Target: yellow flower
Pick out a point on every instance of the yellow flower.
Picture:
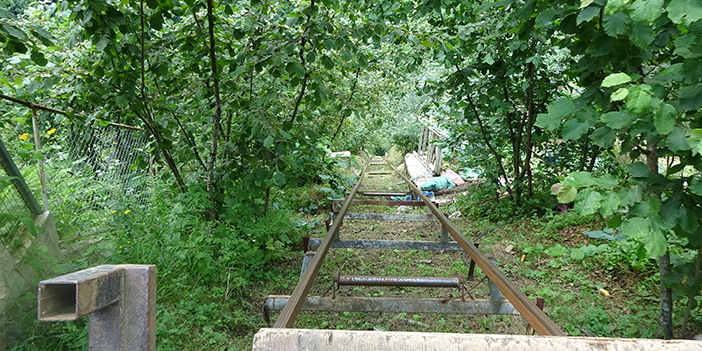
(115, 211)
(24, 136)
(127, 211)
(120, 246)
(51, 131)
(128, 242)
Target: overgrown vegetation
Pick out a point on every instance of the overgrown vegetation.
(592, 103)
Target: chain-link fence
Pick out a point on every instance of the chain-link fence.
(93, 172)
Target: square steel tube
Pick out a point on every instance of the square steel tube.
(119, 299)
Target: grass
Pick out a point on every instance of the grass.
(536, 253)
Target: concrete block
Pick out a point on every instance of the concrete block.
(270, 339)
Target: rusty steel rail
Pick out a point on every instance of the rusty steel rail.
(527, 308)
(120, 301)
(392, 305)
(369, 280)
(297, 299)
(414, 203)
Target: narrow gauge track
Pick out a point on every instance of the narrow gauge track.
(293, 304)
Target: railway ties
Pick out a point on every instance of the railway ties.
(516, 303)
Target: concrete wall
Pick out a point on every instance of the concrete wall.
(349, 340)
(16, 276)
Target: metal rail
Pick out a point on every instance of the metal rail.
(120, 300)
(390, 245)
(422, 282)
(297, 299)
(528, 309)
(394, 305)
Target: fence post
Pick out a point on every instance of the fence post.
(18, 181)
(40, 162)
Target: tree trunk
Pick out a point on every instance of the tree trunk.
(691, 302)
(217, 115)
(665, 305)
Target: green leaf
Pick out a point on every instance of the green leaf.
(616, 24)
(641, 34)
(581, 179)
(152, 4)
(646, 10)
(587, 202)
(587, 14)
(696, 185)
(268, 142)
(29, 224)
(606, 181)
(38, 58)
(684, 11)
(616, 119)
(619, 95)
(610, 203)
(101, 44)
(677, 140)
(691, 98)
(613, 6)
(687, 220)
(561, 107)
(615, 79)
(636, 227)
(16, 33)
(556, 251)
(629, 197)
(639, 170)
(547, 121)
(603, 137)
(7, 14)
(665, 119)
(574, 129)
(279, 179)
(156, 22)
(577, 254)
(585, 3)
(655, 243)
(567, 194)
(639, 100)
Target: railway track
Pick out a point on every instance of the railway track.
(516, 302)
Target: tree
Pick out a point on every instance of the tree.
(639, 69)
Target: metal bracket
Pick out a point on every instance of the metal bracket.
(120, 301)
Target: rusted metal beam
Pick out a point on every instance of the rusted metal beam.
(390, 245)
(390, 217)
(379, 173)
(422, 282)
(289, 314)
(393, 305)
(414, 203)
(120, 301)
(384, 193)
(533, 315)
